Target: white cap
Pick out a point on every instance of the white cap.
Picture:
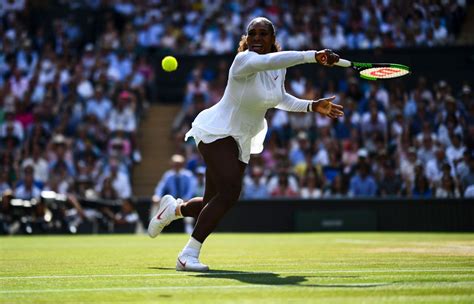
(362, 153)
(177, 158)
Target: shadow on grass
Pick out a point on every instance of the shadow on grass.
(270, 278)
(265, 278)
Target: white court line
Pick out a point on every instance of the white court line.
(231, 273)
(259, 286)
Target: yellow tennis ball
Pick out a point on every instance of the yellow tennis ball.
(169, 63)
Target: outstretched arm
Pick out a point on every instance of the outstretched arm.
(323, 106)
(248, 62)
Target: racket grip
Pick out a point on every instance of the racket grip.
(343, 63)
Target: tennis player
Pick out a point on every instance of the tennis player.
(227, 133)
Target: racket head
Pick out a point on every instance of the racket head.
(376, 71)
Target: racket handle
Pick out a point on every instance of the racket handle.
(343, 63)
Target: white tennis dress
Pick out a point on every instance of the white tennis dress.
(255, 84)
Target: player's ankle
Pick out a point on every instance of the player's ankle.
(177, 211)
(192, 248)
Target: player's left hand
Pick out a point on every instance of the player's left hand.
(327, 57)
(326, 107)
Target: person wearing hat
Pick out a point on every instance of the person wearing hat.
(177, 182)
(121, 116)
(61, 154)
(298, 150)
(228, 132)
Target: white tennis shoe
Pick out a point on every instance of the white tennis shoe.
(165, 215)
(190, 263)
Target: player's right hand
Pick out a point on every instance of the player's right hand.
(326, 57)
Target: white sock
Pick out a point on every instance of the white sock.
(193, 247)
(177, 211)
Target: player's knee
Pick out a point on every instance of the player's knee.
(230, 190)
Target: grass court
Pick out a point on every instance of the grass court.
(246, 268)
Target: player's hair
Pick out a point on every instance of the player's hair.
(243, 40)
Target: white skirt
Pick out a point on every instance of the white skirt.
(247, 144)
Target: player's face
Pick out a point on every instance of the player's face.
(260, 38)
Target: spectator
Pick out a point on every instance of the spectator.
(100, 105)
(122, 117)
(120, 180)
(312, 186)
(363, 184)
(255, 184)
(468, 179)
(427, 150)
(299, 149)
(421, 188)
(200, 181)
(282, 172)
(196, 86)
(27, 188)
(4, 184)
(126, 217)
(462, 165)
(337, 188)
(61, 154)
(407, 167)
(434, 167)
(282, 189)
(391, 183)
(39, 164)
(108, 191)
(455, 152)
(447, 188)
(178, 181)
(11, 127)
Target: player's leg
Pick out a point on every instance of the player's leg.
(194, 206)
(170, 209)
(226, 171)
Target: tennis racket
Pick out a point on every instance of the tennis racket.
(374, 71)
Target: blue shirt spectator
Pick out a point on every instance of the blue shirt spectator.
(363, 184)
(99, 106)
(255, 186)
(27, 188)
(178, 182)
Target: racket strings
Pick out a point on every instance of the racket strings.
(384, 72)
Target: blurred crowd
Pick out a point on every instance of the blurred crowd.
(216, 26)
(392, 141)
(76, 78)
(69, 113)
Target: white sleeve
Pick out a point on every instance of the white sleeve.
(247, 62)
(291, 103)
